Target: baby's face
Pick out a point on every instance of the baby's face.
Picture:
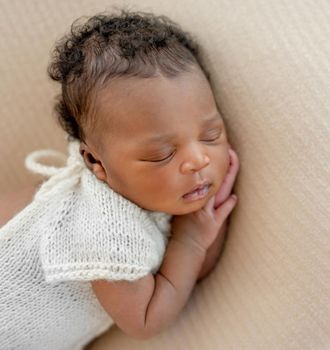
(162, 138)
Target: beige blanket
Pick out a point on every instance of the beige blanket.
(270, 66)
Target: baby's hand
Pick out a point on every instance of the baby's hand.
(215, 249)
(201, 228)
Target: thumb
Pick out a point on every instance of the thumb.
(223, 211)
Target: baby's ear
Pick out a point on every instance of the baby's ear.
(92, 162)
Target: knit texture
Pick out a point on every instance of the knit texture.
(76, 229)
(269, 64)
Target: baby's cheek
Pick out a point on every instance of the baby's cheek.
(168, 183)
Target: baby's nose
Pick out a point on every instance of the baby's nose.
(195, 163)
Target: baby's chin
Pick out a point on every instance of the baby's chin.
(183, 208)
(179, 208)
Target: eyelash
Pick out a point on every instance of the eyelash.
(162, 160)
(172, 154)
(211, 140)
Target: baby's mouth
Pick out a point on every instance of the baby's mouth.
(199, 192)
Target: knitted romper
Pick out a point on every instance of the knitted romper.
(76, 229)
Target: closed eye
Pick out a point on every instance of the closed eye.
(212, 136)
(163, 159)
(159, 160)
(210, 140)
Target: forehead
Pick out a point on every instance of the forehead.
(135, 108)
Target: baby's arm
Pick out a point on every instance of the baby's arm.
(145, 307)
(213, 253)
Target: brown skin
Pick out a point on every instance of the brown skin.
(118, 153)
(132, 112)
(155, 175)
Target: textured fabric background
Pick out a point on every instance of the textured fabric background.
(270, 66)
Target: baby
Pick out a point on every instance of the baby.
(138, 215)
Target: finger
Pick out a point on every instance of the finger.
(234, 160)
(227, 185)
(222, 212)
(209, 206)
(228, 182)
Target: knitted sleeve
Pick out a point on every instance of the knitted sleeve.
(94, 233)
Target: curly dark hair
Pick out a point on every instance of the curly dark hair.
(105, 46)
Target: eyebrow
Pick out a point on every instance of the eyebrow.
(168, 137)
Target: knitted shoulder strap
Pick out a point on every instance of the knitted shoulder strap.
(60, 178)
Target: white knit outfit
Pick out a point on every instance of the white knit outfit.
(76, 229)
